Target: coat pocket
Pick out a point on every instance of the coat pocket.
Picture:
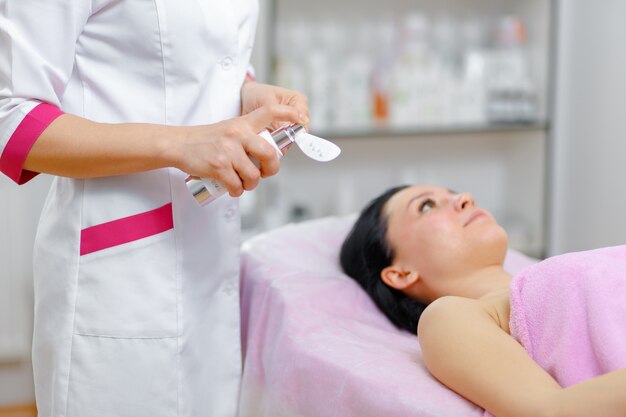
(127, 283)
(113, 377)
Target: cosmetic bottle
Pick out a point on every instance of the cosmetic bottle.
(207, 190)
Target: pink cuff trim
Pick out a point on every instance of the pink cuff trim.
(23, 139)
(127, 229)
(250, 76)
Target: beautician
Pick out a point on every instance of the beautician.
(136, 284)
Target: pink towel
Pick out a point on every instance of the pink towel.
(569, 313)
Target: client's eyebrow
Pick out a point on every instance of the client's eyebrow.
(424, 194)
(417, 197)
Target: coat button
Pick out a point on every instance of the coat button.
(230, 213)
(227, 63)
(230, 288)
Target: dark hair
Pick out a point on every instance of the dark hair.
(365, 253)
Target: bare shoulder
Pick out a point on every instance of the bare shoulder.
(448, 316)
(447, 322)
(449, 310)
(447, 328)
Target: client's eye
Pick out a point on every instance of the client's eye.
(426, 205)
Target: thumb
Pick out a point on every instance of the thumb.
(265, 116)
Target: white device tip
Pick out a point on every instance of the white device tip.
(317, 148)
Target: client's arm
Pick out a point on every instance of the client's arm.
(466, 350)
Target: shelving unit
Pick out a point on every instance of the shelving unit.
(432, 130)
(502, 162)
(408, 64)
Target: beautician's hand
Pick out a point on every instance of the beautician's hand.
(255, 95)
(223, 150)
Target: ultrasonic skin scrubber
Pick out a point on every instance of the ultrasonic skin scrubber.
(206, 190)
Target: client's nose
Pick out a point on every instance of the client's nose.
(463, 201)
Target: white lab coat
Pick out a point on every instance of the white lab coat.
(136, 285)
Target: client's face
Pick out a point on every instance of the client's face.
(442, 236)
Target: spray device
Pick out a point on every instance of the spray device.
(206, 190)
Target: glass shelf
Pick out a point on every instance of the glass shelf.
(429, 130)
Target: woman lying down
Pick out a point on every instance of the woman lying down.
(550, 341)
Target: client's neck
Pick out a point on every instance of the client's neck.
(482, 282)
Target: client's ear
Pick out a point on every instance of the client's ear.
(399, 278)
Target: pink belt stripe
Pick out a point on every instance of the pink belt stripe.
(128, 229)
(23, 139)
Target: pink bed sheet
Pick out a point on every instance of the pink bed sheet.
(316, 345)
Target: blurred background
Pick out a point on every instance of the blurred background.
(518, 101)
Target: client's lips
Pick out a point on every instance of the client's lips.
(475, 215)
